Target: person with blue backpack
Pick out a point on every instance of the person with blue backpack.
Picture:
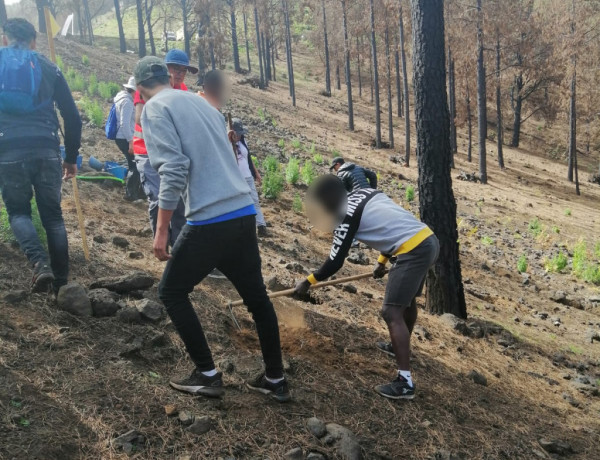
(30, 160)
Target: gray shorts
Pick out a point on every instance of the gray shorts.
(407, 275)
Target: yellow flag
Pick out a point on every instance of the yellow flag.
(54, 27)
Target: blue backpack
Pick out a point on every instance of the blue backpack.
(20, 80)
(111, 128)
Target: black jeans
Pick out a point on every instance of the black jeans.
(22, 173)
(133, 185)
(231, 247)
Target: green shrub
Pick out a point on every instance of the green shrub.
(487, 241)
(557, 264)
(85, 60)
(262, 114)
(296, 143)
(292, 171)
(75, 80)
(308, 172)
(92, 87)
(597, 250)
(555, 229)
(281, 144)
(318, 159)
(522, 264)
(410, 193)
(273, 181)
(584, 268)
(94, 112)
(297, 204)
(312, 149)
(567, 212)
(535, 227)
(60, 64)
(108, 90)
(6, 234)
(254, 160)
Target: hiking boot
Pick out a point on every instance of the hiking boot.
(217, 275)
(279, 391)
(396, 389)
(386, 347)
(261, 230)
(42, 278)
(200, 384)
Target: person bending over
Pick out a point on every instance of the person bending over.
(373, 218)
(353, 176)
(191, 154)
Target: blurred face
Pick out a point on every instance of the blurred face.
(237, 137)
(177, 73)
(337, 166)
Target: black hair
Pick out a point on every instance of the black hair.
(19, 30)
(213, 81)
(329, 191)
(153, 82)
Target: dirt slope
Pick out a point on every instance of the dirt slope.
(69, 386)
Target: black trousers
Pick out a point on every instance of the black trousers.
(232, 248)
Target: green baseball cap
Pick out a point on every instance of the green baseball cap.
(149, 67)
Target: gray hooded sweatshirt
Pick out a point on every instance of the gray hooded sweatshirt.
(187, 144)
(125, 115)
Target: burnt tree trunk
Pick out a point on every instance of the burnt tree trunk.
(259, 49)
(406, 96)
(500, 128)
(452, 104)
(148, 10)
(327, 64)
(517, 103)
(338, 81)
(273, 47)
(398, 82)
(388, 59)
(88, 22)
(358, 48)
(186, 33)
(234, 40)
(573, 131)
(347, 68)
(247, 42)
(481, 99)
(141, 31)
(375, 78)
(40, 4)
(437, 206)
(122, 42)
(286, 14)
(469, 124)
(266, 58)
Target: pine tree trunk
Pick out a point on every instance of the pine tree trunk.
(500, 129)
(40, 4)
(437, 205)
(452, 105)
(338, 81)
(213, 60)
(141, 31)
(122, 42)
(327, 64)
(247, 42)
(398, 84)
(273, 47)
(517, 108)
(259, 49)
(286, 14)
(88, 22)
(234, 40)
(469, 127)
(375, 79)
(347, 68)
(406, 96)
(358, 48)
(186, 34)
(481, 99)
(572, 129)
(266, 59)
(149, 27)
(389, 88)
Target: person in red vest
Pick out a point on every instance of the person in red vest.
(178, 64)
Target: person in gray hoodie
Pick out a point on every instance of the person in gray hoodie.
(191, 154)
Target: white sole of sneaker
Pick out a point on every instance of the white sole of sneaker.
(199, 390)
(395, 398)
(269, 393)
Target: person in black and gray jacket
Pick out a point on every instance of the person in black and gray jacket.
(30, 159)
(373, 218)
(354, 177)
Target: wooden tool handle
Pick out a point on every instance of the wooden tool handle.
(287, 292)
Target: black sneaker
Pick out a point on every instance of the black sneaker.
(279, 391)
(217, 275)
(261, 230)
(200, 384)
(386, 347)
(42, 278)
(396, 389)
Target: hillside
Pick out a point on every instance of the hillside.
(70, 386)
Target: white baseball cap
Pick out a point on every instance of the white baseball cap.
(130, 84)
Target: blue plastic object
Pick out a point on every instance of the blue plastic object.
(96, 164)
(64, 155)
(115, 169)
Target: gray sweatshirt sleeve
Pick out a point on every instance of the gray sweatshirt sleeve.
(127, 119)
(166, 156)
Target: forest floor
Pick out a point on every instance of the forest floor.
(69, 386)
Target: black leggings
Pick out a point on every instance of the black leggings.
(123, 145)
(232, 248)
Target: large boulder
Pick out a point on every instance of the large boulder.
(74, 299)
(150, 309)
(124, 284)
